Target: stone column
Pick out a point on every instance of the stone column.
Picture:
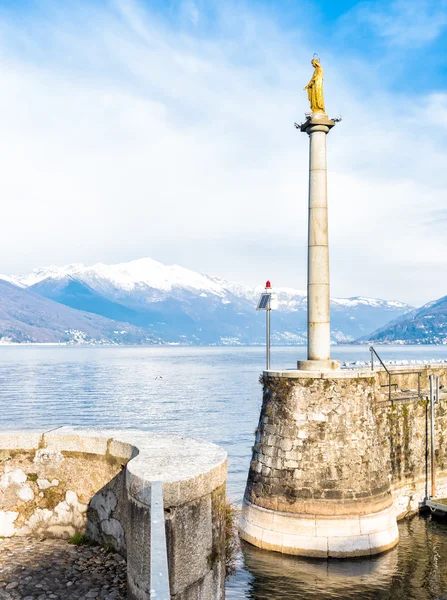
(318, 296)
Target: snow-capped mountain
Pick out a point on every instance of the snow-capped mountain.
(27, 317)
(180, 305)
(425, 325)
(126, 277)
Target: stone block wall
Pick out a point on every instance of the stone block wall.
(72, 481)
(404, 433)
(409, 379)
(317, 443)
(335, 462)
(47, 492)
(317, 484)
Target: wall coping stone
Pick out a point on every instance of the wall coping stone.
(351, 372)
(398, 368)
(341, 374)
(188, 468)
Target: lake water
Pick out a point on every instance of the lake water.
(214, 394)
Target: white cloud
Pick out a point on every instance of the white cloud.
(127, 138)
(191, 11)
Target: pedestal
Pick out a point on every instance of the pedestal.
(318, 365)
(318, 483)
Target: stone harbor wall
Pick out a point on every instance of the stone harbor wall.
(404, 433)
(98, 484)
(335, 462)
(409, 379)
(52, 492)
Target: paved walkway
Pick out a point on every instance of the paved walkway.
(33, 569)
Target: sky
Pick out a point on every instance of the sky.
(134, 128)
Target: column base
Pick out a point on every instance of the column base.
(318, 365)
(317, 536)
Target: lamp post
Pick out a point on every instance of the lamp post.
(267, 327)
(267, 302)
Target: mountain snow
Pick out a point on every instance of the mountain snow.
(124, 276)
(360, 300)
(138, 275)
(425, 325)
(176, 305)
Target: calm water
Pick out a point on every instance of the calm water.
(214, 394)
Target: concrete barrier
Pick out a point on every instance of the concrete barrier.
(98, 483)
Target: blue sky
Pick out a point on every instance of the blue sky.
(133, 128)
(405, 41)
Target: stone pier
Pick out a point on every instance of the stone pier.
(317, 484)
(336, 463)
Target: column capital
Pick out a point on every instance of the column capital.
(317, 122)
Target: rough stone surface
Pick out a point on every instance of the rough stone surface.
(197, 529)
(403, 428)
(35, 569)
(328, 428)
(333, 446)
(139, 552)
(51, 492)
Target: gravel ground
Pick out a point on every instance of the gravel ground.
(33, 569)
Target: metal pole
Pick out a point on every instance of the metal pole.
(159, 556)
(372, 358)
(267, 316)
(432, 436)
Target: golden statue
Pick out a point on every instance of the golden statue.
(315, 88)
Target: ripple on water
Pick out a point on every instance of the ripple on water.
(214, 394)
(415, 569)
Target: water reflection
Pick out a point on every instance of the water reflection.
(415, 569)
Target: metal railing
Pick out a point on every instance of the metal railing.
(392, 374)
(434, 399)
(159, 554)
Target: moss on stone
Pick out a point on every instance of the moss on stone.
(225, 541)
(326, 384)
(231, 515)
(78, 539)
(308, 382)
(25, 511)
(212, 558)
(52, 496)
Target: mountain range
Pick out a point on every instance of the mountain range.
(145, 301)
(27, 317)
(425, 325)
